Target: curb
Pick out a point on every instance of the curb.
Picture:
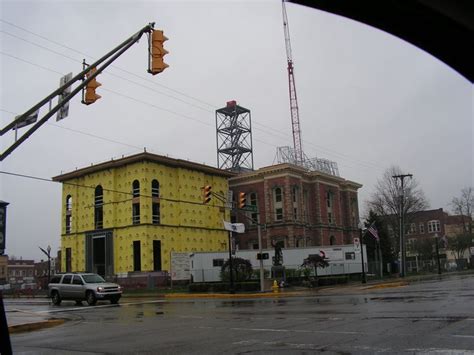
(28, 327)
(387, 285)
(230, 296)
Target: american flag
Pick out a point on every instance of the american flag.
(373, 230)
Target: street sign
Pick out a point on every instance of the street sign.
(249, 208)
(64, 110)
(28, 120)
(230, 198)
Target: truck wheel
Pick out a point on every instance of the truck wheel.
(90, 298)
(55, 298)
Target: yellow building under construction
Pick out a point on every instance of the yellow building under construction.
(130, 214)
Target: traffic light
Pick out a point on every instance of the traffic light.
(90, 96)
(206, 195)
(242, 199)
(157, 52)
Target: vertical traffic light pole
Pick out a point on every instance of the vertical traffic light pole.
(259, 234)
(118, 51)
(231, 289)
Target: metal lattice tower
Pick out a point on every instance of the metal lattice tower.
(234, 138)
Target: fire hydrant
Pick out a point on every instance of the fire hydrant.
(275, 287)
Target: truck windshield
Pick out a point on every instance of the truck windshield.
(92, 279)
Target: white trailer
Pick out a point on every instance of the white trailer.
(343, 260)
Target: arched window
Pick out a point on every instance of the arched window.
(68, 214)
(136, 188)
(332, 240)
(98, 207)
(155, 188)
(155, 205)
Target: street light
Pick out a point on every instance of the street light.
(47, 252)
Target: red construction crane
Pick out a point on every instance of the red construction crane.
(295, 117)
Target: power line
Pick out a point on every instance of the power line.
(342, 156)
(104, 189)
(360, 162)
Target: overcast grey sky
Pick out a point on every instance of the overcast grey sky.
(367, 99)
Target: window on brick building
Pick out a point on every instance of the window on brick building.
(422, 228)
(306, 205)
(330, 204)
(253, 202)
(99, 207)
(412, 228)
(295, 197)
(332, 240)
(434, 226)
(278, 203)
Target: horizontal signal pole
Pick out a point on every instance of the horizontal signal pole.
(118, 51)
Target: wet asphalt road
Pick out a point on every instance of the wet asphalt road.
(429, 317)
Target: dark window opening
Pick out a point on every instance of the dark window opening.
(217, 262)
(67, 279)
(137, 259)
(136, 213)
(155, 213)
(157, 255)
(68, 260)
(68, 223)
(332, 240)
(136, 188)
(350, 256)
(98, 208)
(155, 188)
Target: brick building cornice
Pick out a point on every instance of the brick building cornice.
(292, 170)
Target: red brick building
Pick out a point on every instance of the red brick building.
(298, 208)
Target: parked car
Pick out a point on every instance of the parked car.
(82, 287)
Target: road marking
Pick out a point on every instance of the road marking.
(305, 346)
(292, 330)
(82, 308)
(462, 336)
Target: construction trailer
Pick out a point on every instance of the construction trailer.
(342, 259)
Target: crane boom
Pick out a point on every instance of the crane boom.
(294, 111)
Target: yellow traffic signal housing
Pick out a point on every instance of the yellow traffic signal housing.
(206, 196)
(157, 52)
(90, 96)
(242, 199)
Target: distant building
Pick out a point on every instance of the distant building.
(298, 208)
(127, 215)
(21, 272)
(3, 269)
(429, 225)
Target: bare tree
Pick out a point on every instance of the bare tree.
(385, 201)
(464, 207)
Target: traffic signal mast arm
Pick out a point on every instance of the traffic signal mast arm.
(113, 55)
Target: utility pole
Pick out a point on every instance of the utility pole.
(402, 222)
